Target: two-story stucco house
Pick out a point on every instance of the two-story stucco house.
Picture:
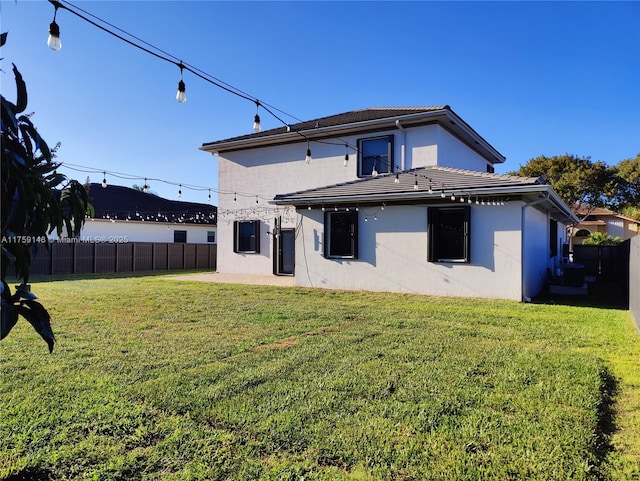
(386, 199)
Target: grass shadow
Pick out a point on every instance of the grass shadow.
(114, 275)
(601, 294)
(31, 474)
(606, 425)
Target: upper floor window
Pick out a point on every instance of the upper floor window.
(341, 235)
(375, 155)
(179, 236)
(211, 236)
(449, 234)
(246, 236)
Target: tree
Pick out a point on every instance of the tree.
(577, 180)
(627, 175)
(36, 200)
(601, 239)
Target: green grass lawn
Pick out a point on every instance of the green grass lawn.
(158, 379)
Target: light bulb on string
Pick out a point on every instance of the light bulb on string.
(181, 95)
(180, 191)
(53, 41)
(256, 120)
(104, 180)
(145, 187)
(346, 155)
(307, 158)
(415, 183)
(209, 197)
(374, 172)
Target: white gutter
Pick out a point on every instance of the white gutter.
(354, 127)
(300, 135)
(422, 195)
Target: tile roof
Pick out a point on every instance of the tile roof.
(438, 177)
(121, 202)
(352, 117)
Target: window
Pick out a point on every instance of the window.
(179, 236)
(341, 235)
(449, 234)
(211, 236)
(246, 236)
(375, 152)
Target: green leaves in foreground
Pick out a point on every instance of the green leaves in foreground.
(23, 303)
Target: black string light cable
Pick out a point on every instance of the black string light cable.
(161, 54)
(55, 44)
(180, 185)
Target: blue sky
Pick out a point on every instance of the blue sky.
(533, 78)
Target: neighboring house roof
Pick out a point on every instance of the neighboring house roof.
(124, 203)
(592, 214)
(432, 182)
(359, 121)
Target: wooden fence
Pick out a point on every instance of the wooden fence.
(604, 262)
(634, 280)
(90, 257)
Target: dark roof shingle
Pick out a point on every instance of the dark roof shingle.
(345, 118)
(436, 177)
(121, 202)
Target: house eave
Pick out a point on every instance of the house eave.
(525, 191)
(445, 117)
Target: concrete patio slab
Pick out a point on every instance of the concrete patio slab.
(284, 281)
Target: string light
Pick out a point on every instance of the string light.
(181, 95)
(346, 155)
(415, 183)
(145, 187)
(397, 179)
(374, 172)
(209, 197)
(256, 120)
(167, 57)
(104, 180)
(180, 191)
(307, 159)
(53, 41)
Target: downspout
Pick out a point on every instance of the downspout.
(403, 146)
(538, 201)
